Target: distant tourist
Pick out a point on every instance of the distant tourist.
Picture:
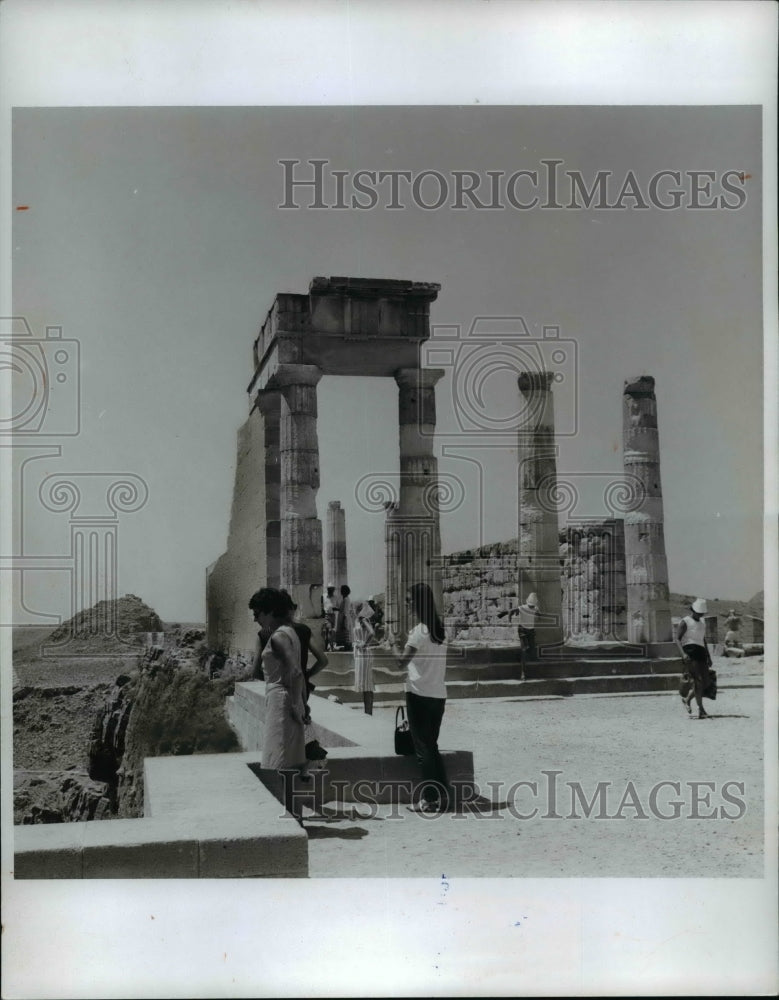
(526, 620)
(691, 639)
(283, 748)
(345, 622)
(731, 645)
(378, 618)
(330, 606)
(424, 656)
(363, 656)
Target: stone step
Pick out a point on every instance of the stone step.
(343, 675)
(544, 687)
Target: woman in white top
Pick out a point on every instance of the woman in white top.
(695, 651)
(424, 657)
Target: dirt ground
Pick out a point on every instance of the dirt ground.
(632, 741)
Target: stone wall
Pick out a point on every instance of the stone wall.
(592, 555)
(241, 570)
(479, 584)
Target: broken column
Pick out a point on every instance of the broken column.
(301, 529)
(538, 557)
(335, 546)
(416, 520)
(646, 568)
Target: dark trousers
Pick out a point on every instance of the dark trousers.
(424, 719)
(527, 639)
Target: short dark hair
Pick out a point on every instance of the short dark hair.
(345, 591)
(270, 601)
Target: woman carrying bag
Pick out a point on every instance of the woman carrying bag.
(424, 657)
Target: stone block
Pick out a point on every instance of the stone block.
(131, 848)
(50, 850)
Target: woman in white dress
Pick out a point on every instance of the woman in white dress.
(284, 745)
(362, 636)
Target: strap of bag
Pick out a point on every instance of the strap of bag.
(400, 711)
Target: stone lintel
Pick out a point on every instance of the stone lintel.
(374, 288)
(641, 385)
(534, 381)
(418, 378)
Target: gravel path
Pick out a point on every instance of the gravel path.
(622, 739)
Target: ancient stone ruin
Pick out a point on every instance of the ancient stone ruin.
(595, 580)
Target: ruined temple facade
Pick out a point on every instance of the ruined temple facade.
(342, 326)
(595, 580)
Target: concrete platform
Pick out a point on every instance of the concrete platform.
(361, 761)
(206, 816)
(216, 815)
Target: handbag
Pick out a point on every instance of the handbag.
(404, 744)
(315, 751)
(710, 691)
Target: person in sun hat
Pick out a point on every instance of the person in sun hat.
(691, 640)
(526, 620)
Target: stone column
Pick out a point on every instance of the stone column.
(393, 593)
(269, 404)
(646, 569)
(301, 529)
(538, 534)
(335, 546)
(418, 509)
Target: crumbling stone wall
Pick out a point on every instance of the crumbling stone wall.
(241, 570)
(592, 556)
(479, 584)
(482, 583)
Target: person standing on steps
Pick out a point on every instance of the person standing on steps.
(424, 657)
(363, 656)
(330, 606)
(345, 626)
(691, 640)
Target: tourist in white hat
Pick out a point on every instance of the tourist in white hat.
(526, 619)
(691, 640)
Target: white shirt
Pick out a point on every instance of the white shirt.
(696, 632)
(527, 616)
(427, 668)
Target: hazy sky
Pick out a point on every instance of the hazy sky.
(154, 238)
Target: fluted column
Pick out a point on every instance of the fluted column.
(301, 529)
(335, 546)
(417, 516)
(646, 568)
(539, 555)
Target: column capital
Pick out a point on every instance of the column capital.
(642, 385)
(418, 378)
(267, 401)
(286, 375)
(535, 381)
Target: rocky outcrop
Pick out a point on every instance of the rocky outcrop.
(168, 707)
(59, 797)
